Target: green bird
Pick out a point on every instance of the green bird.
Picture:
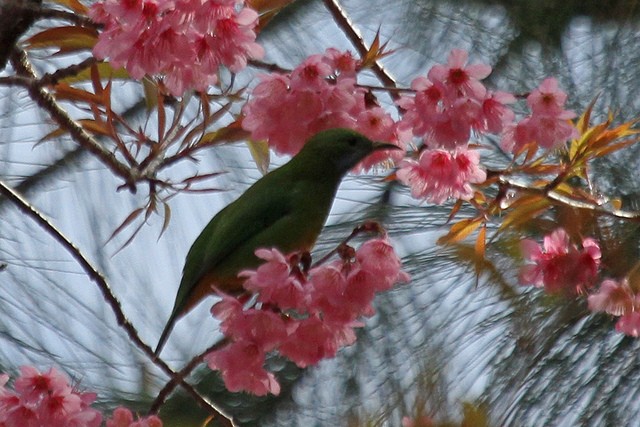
(285, 209)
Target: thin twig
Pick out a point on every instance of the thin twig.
(272, 68)
(366, 227)
(51, 79)
(343, 21)
(569, 201)
(181, 375)
(95, 276)
(46, 101)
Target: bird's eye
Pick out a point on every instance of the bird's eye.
(353, 142)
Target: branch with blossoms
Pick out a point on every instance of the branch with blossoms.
(115, 306)
(302, 310)
(185, 55)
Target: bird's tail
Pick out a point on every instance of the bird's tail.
(165, 333)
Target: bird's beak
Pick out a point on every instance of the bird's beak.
(379, 145)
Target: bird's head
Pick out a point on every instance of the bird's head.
(343, 148)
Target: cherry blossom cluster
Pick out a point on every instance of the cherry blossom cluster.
(304, 316)
(320, 93)
(439, 174)
(560, 266)
(548, 124)
(450, 104)
(47, 399)
(122, 417)
(185, 40)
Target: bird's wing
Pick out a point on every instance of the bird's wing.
(231, 229)
(254, 212)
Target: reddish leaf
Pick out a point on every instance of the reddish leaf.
(70, 93)
(167, 218)
(92, 126)
(128, 220)
(66, 39)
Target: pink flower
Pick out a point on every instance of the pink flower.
(547, 98)
(320, 93)
(548, 126)
(123, 417)
(327, 293)
(495, 111)
(559, 265)
(629, 324)
(440, 174)
(261, 327)
(33, 386)
(314, 339)
(274, 282)
(378, 259)
(185, 41)
(241, 365)
(451, 103)
(312, 325)
(343, 62)
(458, 79)
(45, 399)
(311, 74)
(613, 297)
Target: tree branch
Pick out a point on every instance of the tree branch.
(95, 276)
(563, 199)
(343, 21)
(180, 376)
(46, 101)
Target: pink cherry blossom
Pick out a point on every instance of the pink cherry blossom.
(274, 282)
(439, 174)
(314, 339)
(186, 41)
(495, 112)
(320, 93)
(122, 417)
(616, 297)
(613, 297)
(451, 103)
(45, 399)
(629, 324)
(33, 386)
(560, 266)
(378, 258)
(548, 126)
(460, 80)
(311, 325)
(265, 328)
(241, 365)
(547, 98)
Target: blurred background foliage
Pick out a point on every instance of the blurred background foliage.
(462, 348)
